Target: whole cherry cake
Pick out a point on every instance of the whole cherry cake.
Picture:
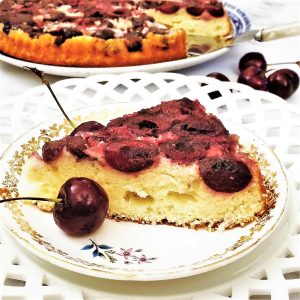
(99, 33)
(172, 163)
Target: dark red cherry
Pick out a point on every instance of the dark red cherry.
(218, 76)
(150, 4)
(209, 126)
(168, 7)
(51, 150)
(105, 34)
(225, 175)
(195, 9)
(76, 145)
(215, 8)
(184, 150)
(283, 83)
(83, 207)
(89, 126)
(134, 41)
(254, 77)
(255, 59)
(130, 156)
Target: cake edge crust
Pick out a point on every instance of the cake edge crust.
(87, 51)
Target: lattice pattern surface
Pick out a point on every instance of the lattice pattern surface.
(271, 271)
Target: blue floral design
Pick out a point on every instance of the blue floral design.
(129, 256)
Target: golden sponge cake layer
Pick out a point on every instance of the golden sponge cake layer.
(164, 193)
(206, 32)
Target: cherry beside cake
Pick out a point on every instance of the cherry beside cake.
(101, 33)
(172, 163)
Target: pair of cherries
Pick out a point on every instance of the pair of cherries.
(253, 69)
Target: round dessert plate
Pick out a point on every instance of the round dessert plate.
(240, 22)
(126, 250)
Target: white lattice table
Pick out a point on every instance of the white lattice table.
(272, 270)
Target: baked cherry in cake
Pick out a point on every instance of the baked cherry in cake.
(109, 33)
(170, 163)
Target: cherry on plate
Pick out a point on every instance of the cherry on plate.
(83, 207)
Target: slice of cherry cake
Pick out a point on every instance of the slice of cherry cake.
(172, 163)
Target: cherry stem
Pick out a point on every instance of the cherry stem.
(285, 63)
(32, 198)
(41, 75)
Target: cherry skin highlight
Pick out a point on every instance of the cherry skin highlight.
(218, 76)
(255, 59)
(254, 77)
(83, 207)
(283, 83)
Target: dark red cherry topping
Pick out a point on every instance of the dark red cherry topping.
(254, 77)
(130, 156)
(134, 41)
(51, 150)
(150, 4)
(195, 9)
(209, 126)
(215, 8)
(76, 145)
(105, 34)
(83, 207)
(283, 83)
(184, 150)
(225, 175)
(168, 7)
(89, 126)
(63, 34)
(255, 59)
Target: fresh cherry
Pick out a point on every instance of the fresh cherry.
(80, 208)
(218, 76)
(255, 59)
(83, 207)
(254, 77)
(283, 83)
(225, 175)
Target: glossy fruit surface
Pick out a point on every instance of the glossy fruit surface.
(255, 59)
(83, 208)
(218, 76)
(130, 156)
(254, 77)
(225, 175)
(88, 126)
(283, 83)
